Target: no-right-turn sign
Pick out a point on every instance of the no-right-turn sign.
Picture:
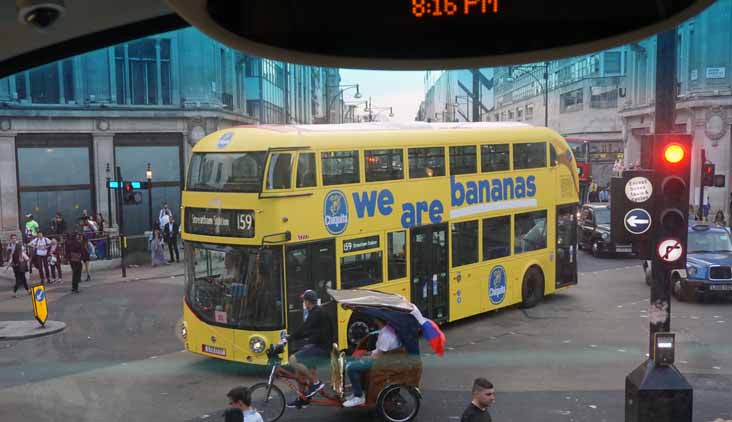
(670, 250)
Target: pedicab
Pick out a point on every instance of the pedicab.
(392, 384)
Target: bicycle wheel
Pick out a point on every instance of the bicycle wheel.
(398, 403)
(271, 406)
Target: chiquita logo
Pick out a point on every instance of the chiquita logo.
(335, 212)
(497, 285)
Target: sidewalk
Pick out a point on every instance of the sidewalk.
(102, 272)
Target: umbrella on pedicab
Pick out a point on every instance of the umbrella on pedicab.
(401, 314)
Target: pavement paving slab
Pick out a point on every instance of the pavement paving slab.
(20, 330)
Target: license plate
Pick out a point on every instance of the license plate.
(623, 249)
(220, 351)
(720, 287)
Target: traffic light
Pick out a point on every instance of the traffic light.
(129, 195)
(671, 162)
(708, 174)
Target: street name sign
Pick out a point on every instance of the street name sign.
(637, 221)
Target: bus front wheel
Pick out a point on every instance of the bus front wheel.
(532, 289)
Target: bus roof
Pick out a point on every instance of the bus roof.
(260, 137)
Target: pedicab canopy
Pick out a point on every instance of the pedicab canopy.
(401, 314)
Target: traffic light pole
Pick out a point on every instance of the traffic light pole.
(701, 180)
(120, 222)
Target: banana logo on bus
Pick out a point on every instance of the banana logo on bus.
(497, 285)
(335, 212)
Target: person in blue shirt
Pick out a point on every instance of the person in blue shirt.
(240, 402)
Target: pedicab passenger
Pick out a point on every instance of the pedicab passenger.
(387, 341)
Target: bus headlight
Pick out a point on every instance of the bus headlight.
(257, 344)
(184, 330)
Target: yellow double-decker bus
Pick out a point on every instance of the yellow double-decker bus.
(459, 218)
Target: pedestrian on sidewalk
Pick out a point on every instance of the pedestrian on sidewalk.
(240, 402)
(164, 216)
(100, 224)
(170, 235)
(58, 225)
(41, 244)
(54, 260)
(18, 259)
(77, 253)
(90, 253)
(484, 396)
(157, 251)
(31, 228)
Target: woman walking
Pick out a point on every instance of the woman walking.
(88, 248)
(54, 260)
(77, 254)
(18, 259)
(41, 244)
(157, 250)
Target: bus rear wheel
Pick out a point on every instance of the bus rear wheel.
(532, 288)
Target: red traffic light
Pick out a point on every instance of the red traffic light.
(128, 187)
(674, 153)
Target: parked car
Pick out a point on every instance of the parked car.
(594, 231)
(708, 265)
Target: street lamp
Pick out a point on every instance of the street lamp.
(528, 70)
(370, 108)
(108, 171)
(357, 95)
(148, 176)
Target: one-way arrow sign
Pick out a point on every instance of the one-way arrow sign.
(637, 221)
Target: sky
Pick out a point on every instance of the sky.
(402, 90)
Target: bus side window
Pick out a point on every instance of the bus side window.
(552, 156)
(530, 231)
(305, 170)
(529, 155)
(397, 255)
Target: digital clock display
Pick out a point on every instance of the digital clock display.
(422, 8)
(431, 34)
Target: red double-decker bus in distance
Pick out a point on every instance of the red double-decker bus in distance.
(581, 150)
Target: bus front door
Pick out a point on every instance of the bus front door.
(566, 262)
(309, 266)
(429, 251)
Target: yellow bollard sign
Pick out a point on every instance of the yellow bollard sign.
(40, 310)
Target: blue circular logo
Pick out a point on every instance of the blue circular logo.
(335, 212)
(40, 295)
(497, 285)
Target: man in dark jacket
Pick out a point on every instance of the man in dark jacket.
(170, 235)
(58, 225)
(317, 334)
(76, 252)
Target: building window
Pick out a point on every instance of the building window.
(494, 158)
(529, 155)
(462, 160)
(612, 61)
(361, 270)
(529, 111)
(43, 192)
(603, 97)
(340, 167)
(519, 114)
(384, 164)
(530, 231)
(305, 170)
(496, 237)
(510, 114)
(49, 84)
(397, 251)
(464, 243)
(426, 162)
(570, 101)
(139, 65)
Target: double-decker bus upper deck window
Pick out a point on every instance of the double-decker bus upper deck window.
(462, 160)
(305, 170)
(279, 173)
(494, 158)
(384, 164)
(226, 172)
(529, 155)
(496, 237)
(340, 167)
(426, 162)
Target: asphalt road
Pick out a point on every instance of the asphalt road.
(564, 360)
